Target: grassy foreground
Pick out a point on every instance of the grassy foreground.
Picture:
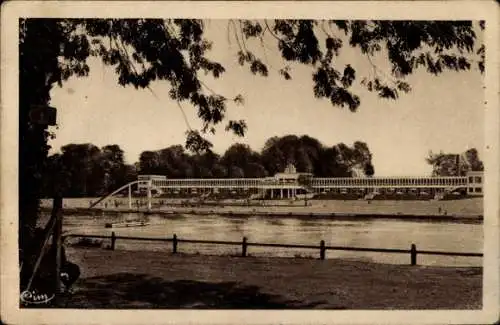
(145, 279)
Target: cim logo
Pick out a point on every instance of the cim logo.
(32, 297)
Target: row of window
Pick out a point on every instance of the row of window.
(476, 179)
(423, 191)
(456, 181)
(208, 182)
(319, 182)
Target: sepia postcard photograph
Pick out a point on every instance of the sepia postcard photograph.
(249, 162)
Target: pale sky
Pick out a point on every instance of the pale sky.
(441, 113)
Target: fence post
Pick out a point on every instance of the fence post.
(244, 247)
(113, 240)
(174, 242)
(322, 250)
(413, 254)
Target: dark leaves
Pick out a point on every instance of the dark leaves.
(298, 41)
(145, 50)
(369, 169)
(256, 65)
(211, 109)
(217, 69)
(453, 62)
(341, 97)
(405, 40)
(482, 54)
(323, 80)
(285, 73)
(342, 25)
(208, 66)
(198, 61)
(386, 90)
(191, 30)
(328, 83)
(403, 86)
(238, 127)
(239, 100)
(196, 143)
(241, 58)
(153, 42)
(433, 66)
(349, 76)
(333, 44)
(251, 29)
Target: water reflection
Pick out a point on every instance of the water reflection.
(274, 221)
(236, 225)
(375, 233)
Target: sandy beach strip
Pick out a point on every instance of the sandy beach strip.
(467, 210)
(146, 279)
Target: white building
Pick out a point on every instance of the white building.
(289, 183)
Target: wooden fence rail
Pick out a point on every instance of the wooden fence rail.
(245, 244)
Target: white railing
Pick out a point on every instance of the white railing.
(375, 182)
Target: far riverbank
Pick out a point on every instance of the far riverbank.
(466, 210)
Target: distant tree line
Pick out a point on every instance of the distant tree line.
(239, 160)
(86, 170)
(453, 164)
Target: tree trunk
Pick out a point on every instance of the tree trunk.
(39, 48)
(32, 155)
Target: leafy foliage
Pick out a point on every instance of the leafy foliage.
(452, 164)
(369, 169)
(436, 46)
(196, 143)
(86, 170)
(241, 156)
(238, 127)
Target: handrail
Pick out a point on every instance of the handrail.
(93, 204)
(366, 249)
(450, 253)
(283, 245)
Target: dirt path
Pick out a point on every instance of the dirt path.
(140, 279)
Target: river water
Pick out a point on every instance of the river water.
(375, 233)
